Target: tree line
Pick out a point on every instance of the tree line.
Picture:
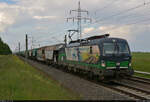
(4, 48)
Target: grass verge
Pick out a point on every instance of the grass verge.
(141, 62)
(142, 75)
(20, 81)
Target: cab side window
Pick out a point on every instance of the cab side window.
(91, 50)
(43, 51)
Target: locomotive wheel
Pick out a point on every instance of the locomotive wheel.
(65, 68)
(74, 70)
(90, 75)
(69, 69)
(100, 78)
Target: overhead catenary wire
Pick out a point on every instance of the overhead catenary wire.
(132, 17)
(53, 40)
(104, 7)
(116, 27)
(50, 38)
(119, 13)
(122, 12)
(128, 17)
(51, 34)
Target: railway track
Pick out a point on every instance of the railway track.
(123, 88)
(134, 86)
(140, 79)
(136, 93)
(131, 91)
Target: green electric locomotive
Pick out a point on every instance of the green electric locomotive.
(97, 56)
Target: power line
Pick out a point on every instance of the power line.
(48, 38)
(125, 11)
(106, 6)
(144, 20)
(53, 34)
(122, 12)
(53, 39)
(132, 17)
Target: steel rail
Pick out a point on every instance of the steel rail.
(145, 92)
(139, 79)
(146, 79)
(126, 92)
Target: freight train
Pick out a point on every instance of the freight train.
(100, 56)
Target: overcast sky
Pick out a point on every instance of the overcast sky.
(45, 21)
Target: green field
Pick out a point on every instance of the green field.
(20, 81)
(141, 62)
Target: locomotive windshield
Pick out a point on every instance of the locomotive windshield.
(110, 48)
(123, 48)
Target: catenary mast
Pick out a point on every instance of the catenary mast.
(79, 19)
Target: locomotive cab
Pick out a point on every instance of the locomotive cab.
(99, 56)
(115, 57)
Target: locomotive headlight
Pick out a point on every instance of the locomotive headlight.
(118, 64)
(103, 64)
(130, 64)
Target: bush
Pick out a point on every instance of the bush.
(4, 48)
